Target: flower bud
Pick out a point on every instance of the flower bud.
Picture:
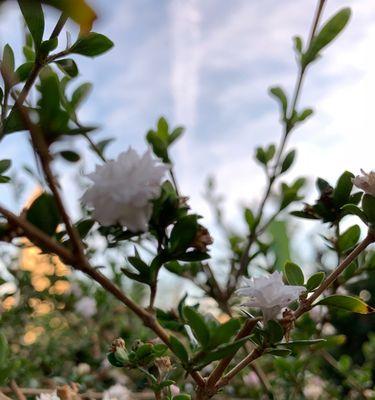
(202, 239)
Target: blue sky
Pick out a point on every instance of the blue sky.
(207, 64)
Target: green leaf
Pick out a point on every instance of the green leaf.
(8, 59)
(352, 209)
(250, 219)
(298, 44)
(44, 214)
(224, 332)
(183, 233)
(33, 13)
(68, 66)
(3, 349)
(348, 303)
(80, 94)
(294, 274)
(279, 94)
(279, 352)
(48, 45)
(314, 281)
(13, 123)
(182, 397)
(92, 45)
(261, 156)
(5, 165)
(4, 179)
(288, 161)
(223, 351)
(159, 146)
(84, 226)
(368, 205)
(275, 331)
(23, 71)
(343, 188)
(349, 238)
(198, 325)
(179, 349)
(326, 35)
(70, 156)
(305, 114)
(295, 343)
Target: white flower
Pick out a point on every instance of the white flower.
(175, 390)
(270, 294)
(123, 188)
(117, 392)
(366, 182)
(86, 307)
(48, 396)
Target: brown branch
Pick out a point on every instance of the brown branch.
(39, 238)
(16, 390)
(256, 353)
(215, 375)
(306, 305)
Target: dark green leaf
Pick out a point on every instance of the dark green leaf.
(198, 325)
(349, 303)
(3, 349)
(70, 156)
(44, 214)
(182, 397)
(183, 233)
(179, 349)
(92, 45)
(5, 165)
(294, 274)
(33, 13)
(352, 209)
(275, 331)
(279, 352)
(343, 188)
(80, 94)
(8, 59)
(4, 179)
(288, 161)
(68, 66)
(23, 71)
(326, 35)
(305, 114)
(349, 238)
(295, 343)
(224, 332)
(13, 123)
(368, 205)
(279, 94)
(314, 281)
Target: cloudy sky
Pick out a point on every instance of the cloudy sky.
(207, 64)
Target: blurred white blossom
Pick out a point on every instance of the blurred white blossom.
(366, 182)
(175, 390)
(313, 388)
(270, 294)
(117, 392)
(123, 188)
(48, 396)
(86, 307)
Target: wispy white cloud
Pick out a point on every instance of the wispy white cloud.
(185, 21)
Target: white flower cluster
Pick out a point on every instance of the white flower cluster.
(366, 182)
(86, 306)
(270, 294)
(117, 392)
(122, 190)
(48, 396)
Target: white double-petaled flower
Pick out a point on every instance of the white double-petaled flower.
(122, 190)
(270, 294)
(366, 182)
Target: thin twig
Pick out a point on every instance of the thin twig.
(16, 390)
(306, 305)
